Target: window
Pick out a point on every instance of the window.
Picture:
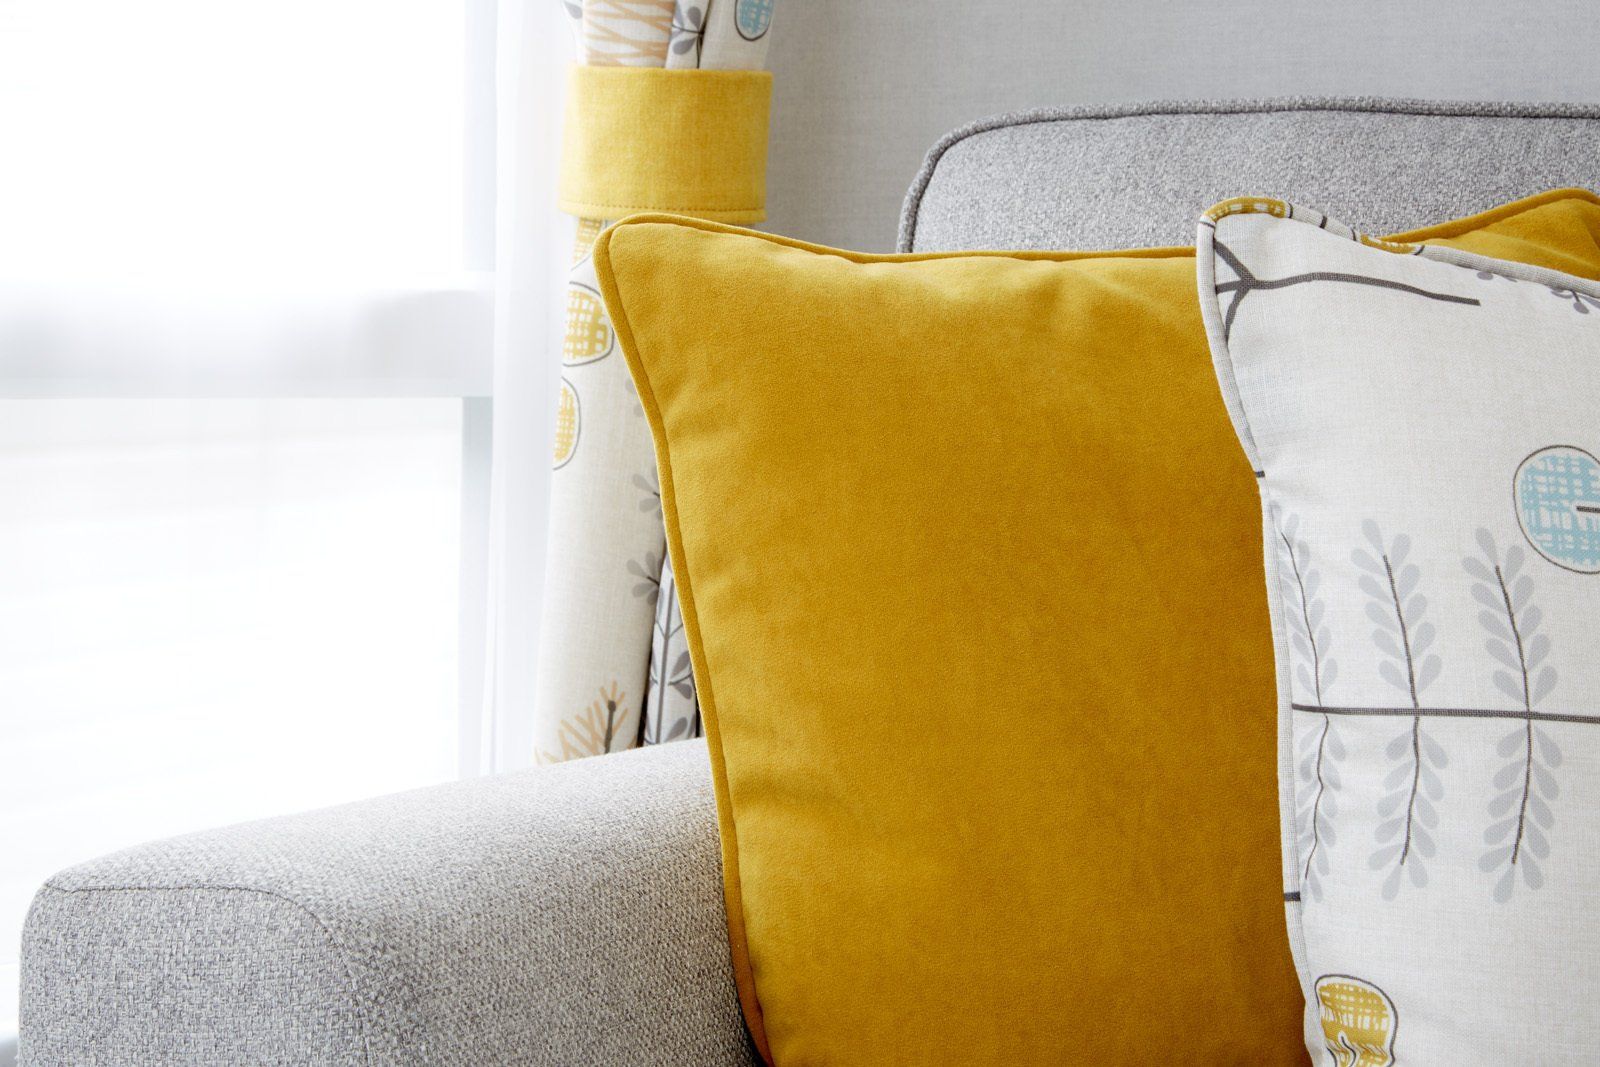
(244, 366)
(217, 610)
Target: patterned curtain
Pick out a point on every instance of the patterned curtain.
(613, 666)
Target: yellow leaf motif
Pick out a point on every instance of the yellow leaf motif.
(569, 421)
(589, 336)
(583, 239)
(1358, 1021)
(592, 731)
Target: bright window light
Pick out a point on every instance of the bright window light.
(213, 611)
(222, 609)
(190, 137)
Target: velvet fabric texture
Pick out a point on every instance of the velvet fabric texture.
(970, 565)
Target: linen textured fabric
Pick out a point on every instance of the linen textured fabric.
(1422, 413)
(685, 140)
(1138, 174)
(569, 915)
(613, 670)
(967, 554)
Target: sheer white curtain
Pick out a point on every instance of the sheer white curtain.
(278, 290)
(322, 198)
(531, 243)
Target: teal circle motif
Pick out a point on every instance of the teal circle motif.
(752, 18)
(1557, 495)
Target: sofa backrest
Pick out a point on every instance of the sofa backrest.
(1139, 176)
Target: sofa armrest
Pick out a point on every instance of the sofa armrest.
(569, 915)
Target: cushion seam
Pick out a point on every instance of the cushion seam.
(657, 218)
(1453, 228)
(1233, 400)
(686, 602)
(688, 209)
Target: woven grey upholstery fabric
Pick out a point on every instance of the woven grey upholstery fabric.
(570, 915)
(1140, 176)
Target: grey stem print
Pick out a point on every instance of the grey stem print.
(647, 574)
(688, 28)
(1403, 637)
(649, 486)
(670, 672)
(1525, 785)
(1581, 302)
(1315, 670)
(1245, 283)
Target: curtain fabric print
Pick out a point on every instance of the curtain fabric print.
(613, 666)
(1421, 419)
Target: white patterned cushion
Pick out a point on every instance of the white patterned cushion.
(1424, 424)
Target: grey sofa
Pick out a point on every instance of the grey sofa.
(573, 915)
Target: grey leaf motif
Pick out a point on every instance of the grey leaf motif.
(1543, 684)
(688, 27)
(666, 719)
(1388, 642)
(1538, 646)
(1501, 651)
(1381, 618)
(1543, 817)
(648, 573)
(1316, 671)
(1532, 618)
(1431, 666)
(1406, 580)
(1581, 302)
(1367, 562)
(1511, 772)
(1494, 624)
(1403, 637)
(1520, 811)
(1482, 594)
(1511, 687)
(649, 487)
(1391, 672)
(1422, 638)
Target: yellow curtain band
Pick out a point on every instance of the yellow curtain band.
(692, 142)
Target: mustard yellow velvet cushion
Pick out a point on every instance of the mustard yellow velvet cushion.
(970, 565)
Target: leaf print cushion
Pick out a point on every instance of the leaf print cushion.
(1423, 421)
